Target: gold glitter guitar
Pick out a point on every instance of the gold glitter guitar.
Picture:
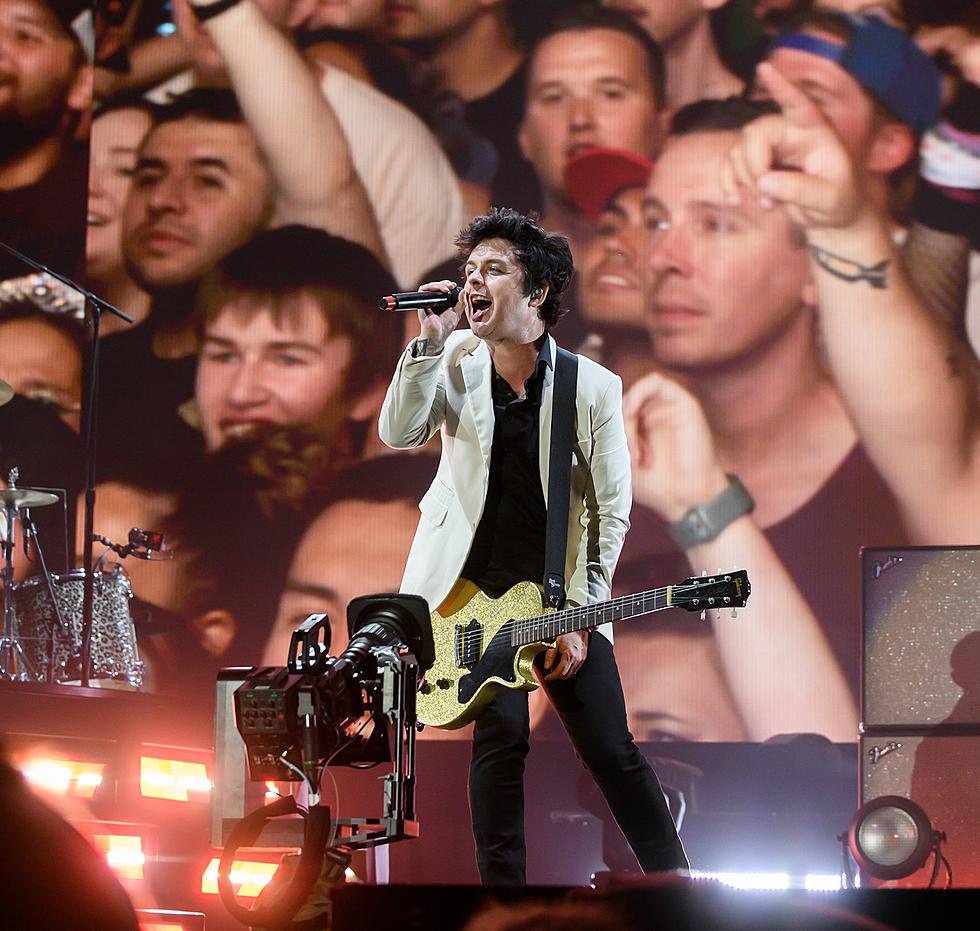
(483, 644)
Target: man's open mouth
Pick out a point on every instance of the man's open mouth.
(479, 305)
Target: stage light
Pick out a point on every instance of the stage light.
(822, 882)
(63, 777)
(248, 877)
(172, 779)
(756, 881)
(123, 852)
(168, 919)
(891, 837)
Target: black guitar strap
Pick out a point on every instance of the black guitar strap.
(559, 476)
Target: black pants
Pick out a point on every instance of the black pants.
(592, 709)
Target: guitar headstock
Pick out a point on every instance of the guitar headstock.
(701, 593)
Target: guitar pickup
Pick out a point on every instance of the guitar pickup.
(468, 643)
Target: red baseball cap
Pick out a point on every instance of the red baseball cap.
(595, 176)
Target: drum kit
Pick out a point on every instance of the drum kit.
(43, 629)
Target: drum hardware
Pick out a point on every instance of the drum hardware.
(60, 628)
(115, 661)
(143, 544)
(13, 501)
(93, 308)
(43, 626)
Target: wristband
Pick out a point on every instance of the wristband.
(704, 522)
(209, 10)
(421, 348)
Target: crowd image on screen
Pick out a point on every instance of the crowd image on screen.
(595, 80)
(610, 325)
(695, 66)
(118, 130)
(247, 186)
(46, 92)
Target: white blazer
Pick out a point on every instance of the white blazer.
(450, 393)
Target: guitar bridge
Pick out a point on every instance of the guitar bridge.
(468, 642)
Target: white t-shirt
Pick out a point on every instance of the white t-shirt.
(412, 188)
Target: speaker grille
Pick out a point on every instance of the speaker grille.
(921, 614)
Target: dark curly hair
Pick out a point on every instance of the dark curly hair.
(545, 258)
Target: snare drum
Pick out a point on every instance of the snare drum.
(115, 658)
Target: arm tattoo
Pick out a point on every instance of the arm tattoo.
(849, 270)
(425, 347)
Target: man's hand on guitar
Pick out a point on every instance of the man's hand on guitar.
(565, 658)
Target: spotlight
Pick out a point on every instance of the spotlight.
(63, 777)
(172, 779)
(123, 852)
(248, 877)
(891, 837)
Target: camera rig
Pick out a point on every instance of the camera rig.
(289, 723)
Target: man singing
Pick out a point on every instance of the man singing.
(489, 391)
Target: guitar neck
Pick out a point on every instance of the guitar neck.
(549, 626)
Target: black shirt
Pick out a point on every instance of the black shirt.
(46, 220)
(497, 118)
(509, 544)
(142, 437)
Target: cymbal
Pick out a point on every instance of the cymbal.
(25, 498)
(6, 392)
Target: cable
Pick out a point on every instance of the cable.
(318, 828)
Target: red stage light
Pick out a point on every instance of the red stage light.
(168, 919)
(123, 852)
(172, 779)
(248, 877)
(63, 777)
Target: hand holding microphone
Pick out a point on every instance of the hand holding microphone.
(437, 303)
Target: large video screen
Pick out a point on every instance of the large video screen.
(247, 187)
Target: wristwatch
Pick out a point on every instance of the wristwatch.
(704, 522)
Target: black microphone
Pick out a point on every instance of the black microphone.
(436, 301)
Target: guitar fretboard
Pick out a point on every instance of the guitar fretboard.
(549, 626)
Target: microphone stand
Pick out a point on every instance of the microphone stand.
(95, 306)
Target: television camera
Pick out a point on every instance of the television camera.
(356, 709)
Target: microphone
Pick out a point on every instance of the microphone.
(436, 301)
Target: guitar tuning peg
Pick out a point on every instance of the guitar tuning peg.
(734, 612)
(704, 573)
(704, 615)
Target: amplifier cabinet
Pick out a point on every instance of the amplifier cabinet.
(921, 624)
(941, 773)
